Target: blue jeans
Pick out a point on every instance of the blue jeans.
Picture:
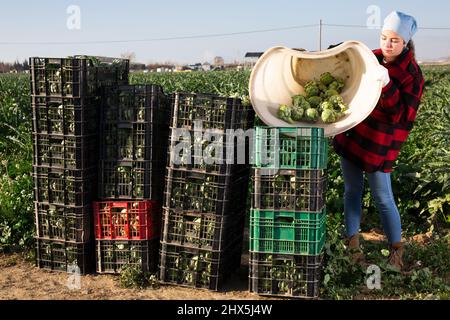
(380, 187)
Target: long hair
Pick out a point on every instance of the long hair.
(412, 48)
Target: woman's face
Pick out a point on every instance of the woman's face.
(391, 44)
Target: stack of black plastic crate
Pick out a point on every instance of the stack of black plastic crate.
(65, 103)
(205, 191)
(134, 129)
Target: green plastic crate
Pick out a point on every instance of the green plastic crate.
(290, 148)
(287, 232)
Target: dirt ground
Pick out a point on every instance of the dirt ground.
(20, 279)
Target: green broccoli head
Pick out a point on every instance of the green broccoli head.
(326, 105)
(338, 103)
(299, 101)
(311, 89)
(328, 115)
(335, 99)
(312, 114)
(330, 93)
(321, 86)
(297, 113)
(314, 101)
(337, 85)
(321, 100)
(331, 115)
(285, 113)
(326, 78)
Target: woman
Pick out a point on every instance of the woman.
(373, 145)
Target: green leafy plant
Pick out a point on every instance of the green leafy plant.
(342, 279)
(132, 276)
(16, 184)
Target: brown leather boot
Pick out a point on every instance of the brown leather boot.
(395, 258)
(356, 254)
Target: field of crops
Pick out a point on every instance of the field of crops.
(421, 183)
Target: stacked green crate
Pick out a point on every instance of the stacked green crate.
(287, 232)
(288, 214)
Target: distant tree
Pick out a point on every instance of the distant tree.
(17, 66)
(6, 67)
(155, 65)
(2, 67)
(25, 64)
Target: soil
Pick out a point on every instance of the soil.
(21, 279)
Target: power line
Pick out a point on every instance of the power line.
(213, 35)
(200, 36)
(365, 26)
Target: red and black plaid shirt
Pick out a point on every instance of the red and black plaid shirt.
(374, 144)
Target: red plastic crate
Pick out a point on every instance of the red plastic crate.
(132, 220)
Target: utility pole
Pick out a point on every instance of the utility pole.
(320, 35)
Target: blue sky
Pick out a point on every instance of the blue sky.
(46, 21)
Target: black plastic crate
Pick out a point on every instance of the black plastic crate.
(65, 116)
(135, 103)
(71, 257)
(134, 123)
(293, 276)
(64, 187)
(201, 230)
(113, 255)
(66, 152)
(75, 76)
(133, 141)
(204, 192)
(130, 180)
(67, 223)
(111, 71)
(197, 268)
(289, 190)
(209, 151)
(214, 111)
